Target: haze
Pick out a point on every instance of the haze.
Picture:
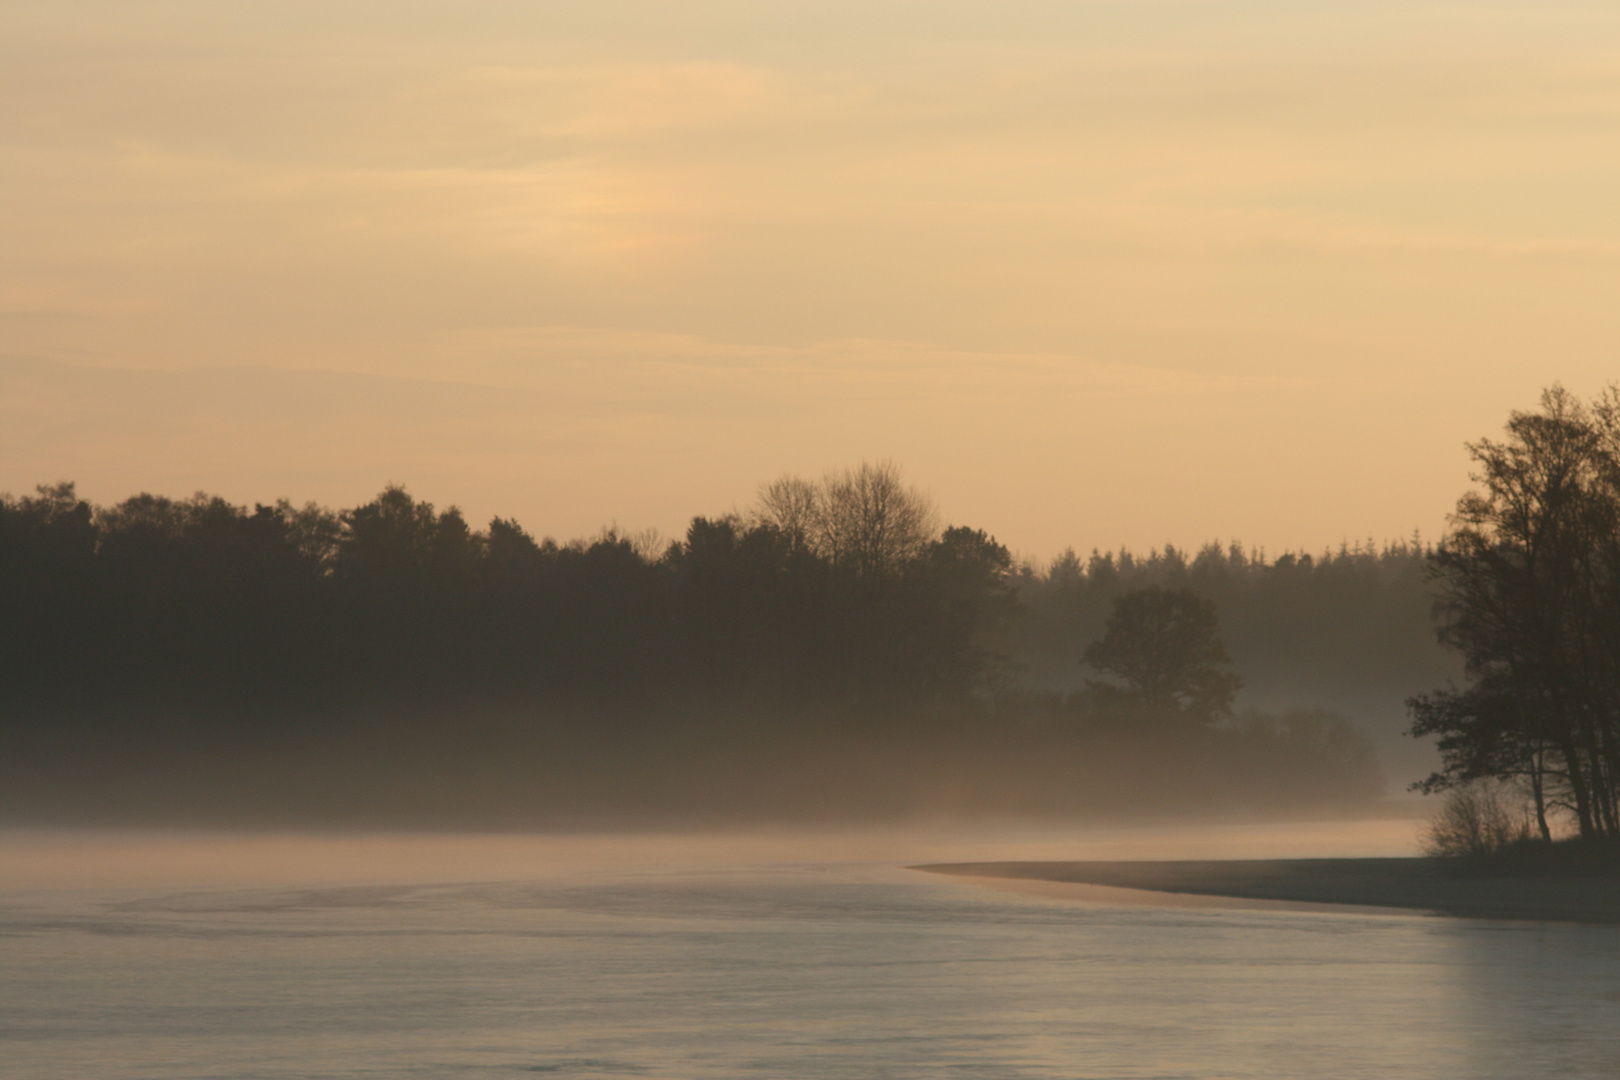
(1095, 273)
(46, 859)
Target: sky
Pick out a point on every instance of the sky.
(1094, 273)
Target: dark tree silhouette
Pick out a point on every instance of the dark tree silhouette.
(1483, 732)
(865, 520)
(834, 649)
(1530, 596)
(1164, 646)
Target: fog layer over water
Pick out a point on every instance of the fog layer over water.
(751, 955)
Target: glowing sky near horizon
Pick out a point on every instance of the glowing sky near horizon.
(1096, 272)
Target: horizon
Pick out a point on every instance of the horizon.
(652, 541)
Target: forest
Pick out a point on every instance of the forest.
(832, 651)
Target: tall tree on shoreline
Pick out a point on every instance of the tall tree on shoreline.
(1529, 580)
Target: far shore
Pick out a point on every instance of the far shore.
(1418, 884)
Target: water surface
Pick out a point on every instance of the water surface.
(669, 957)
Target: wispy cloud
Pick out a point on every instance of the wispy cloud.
(804, 232)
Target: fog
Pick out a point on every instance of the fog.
(49, 859)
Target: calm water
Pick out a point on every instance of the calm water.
(726, 963)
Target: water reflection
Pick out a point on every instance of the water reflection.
(1544, 996)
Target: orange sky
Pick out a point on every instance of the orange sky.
(1094, 272)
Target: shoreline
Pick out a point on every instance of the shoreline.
(1393, 885)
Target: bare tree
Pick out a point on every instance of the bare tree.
(865, 519)
(792, 505)
(871, 521)
(1480, 817)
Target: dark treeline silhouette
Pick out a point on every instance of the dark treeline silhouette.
(161, 604)
(1352, 627)
(832, 651)
(1529, 580)
(1347, 631)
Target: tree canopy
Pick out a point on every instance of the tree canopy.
(1164, 647)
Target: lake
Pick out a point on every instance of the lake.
(752, 955)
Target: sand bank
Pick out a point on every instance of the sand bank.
(1402, 883)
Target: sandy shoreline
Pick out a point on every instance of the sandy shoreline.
(1414, 884)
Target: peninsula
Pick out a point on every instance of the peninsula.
(1423, 884)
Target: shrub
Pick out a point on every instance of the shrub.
(1481, 817)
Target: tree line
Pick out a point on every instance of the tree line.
(1350, 628)
(833, 636)
(201, 603)
(833, 646)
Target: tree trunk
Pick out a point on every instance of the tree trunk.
(1599, 781)
(1538, 792)
(1578, 787)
